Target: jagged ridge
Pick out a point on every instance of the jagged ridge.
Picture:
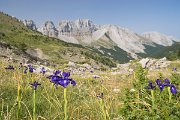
(85, 32)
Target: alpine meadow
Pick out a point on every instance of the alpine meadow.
(82, 70)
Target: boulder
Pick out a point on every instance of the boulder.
(71, 64)
(87, 66)
(36, 53)
(144, 62)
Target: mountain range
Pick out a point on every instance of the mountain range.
(110, 40)
(82, 41)
(18, 42)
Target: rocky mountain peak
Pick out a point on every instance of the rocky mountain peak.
(159, 38)
(78, 27)
(48, 29)
(49, 25)
(83, 23)
(85, 32)
(30, 24)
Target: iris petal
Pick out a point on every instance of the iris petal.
(161, 87)
(158, 81)
(73, 82)
(35, 85)
(167, 81)
(64, 82)
(173, 89)
(150, 86)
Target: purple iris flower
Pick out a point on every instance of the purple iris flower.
(158, 82)
(161, 87)
(173, 89)
(95, 76)
(73, 82)
(56, 72)
(10, 67)
(66, 74)
(25, 71)
(49, 77)
(21, 65)
(62, 80)
(65, 80)
(150, 86)
(31, 69)
(43, 70)
(55, 79)
(174, 69)
(166, 82)
(34, 85)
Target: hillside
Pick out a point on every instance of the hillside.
(110, 40)
(159, 51)
(171, 52)
(29, 44)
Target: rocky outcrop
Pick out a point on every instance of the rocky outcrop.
(5, 51)
(71, 64)
(79, 27)
(48, 29)
(153, 64)
(76, 28)
(144, 62)
(148, 63)
(159, 38)
(36, 53)
(30, 24)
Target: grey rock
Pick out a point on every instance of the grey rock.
(48, 29)
(37, 53)
(68, 28)
(30, 24)
(79, 27)
(153, 64)
(87, 66)
(49, 71)
(144, 62)
(71, 64)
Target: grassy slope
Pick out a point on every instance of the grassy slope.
(83, 102)
(171, 52)
(118, 54)
(109, 48)
(15, 34)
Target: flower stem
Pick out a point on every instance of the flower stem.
(18, 99)
(102, 107)
(65, 104)
(170, 94)
(152, 96)
(34, 105)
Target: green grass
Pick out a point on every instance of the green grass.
(83, 102)
(159, 51)
(19, 38)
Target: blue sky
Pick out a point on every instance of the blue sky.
(137, 15)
